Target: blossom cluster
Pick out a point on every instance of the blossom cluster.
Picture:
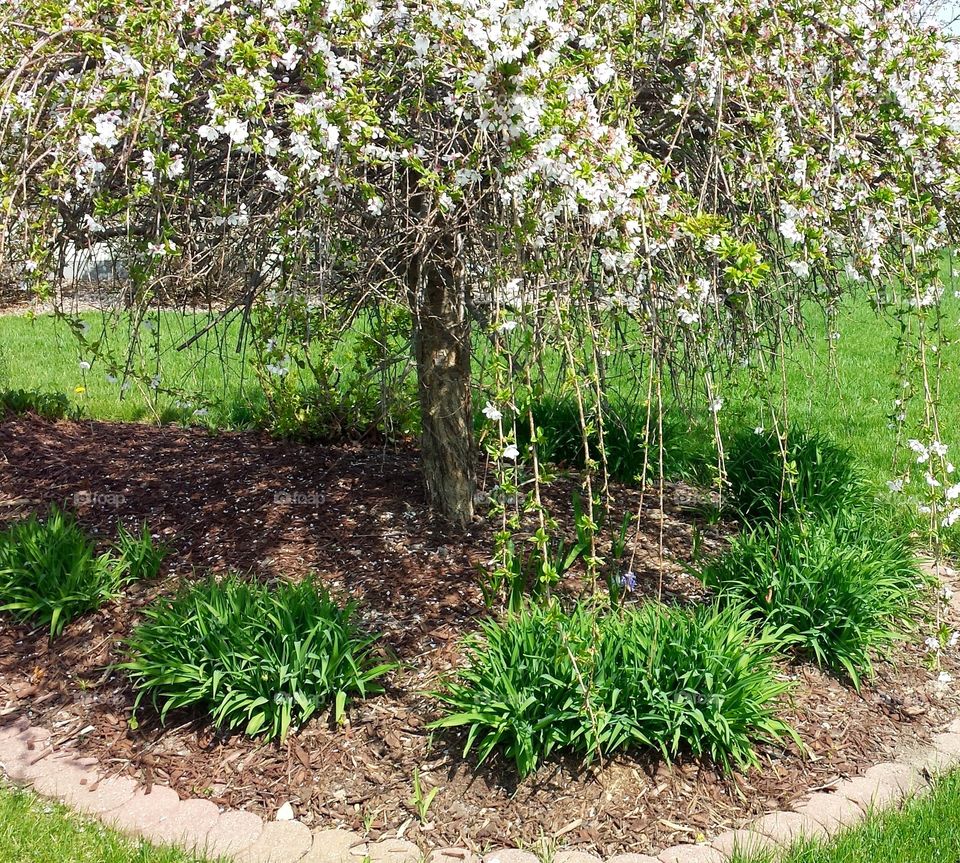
(695, 150)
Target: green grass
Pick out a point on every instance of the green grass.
(926, 830)
(841, 388)
(845, 388)
(37, 831)
(41, 353)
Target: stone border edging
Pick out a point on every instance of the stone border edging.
(28, 758)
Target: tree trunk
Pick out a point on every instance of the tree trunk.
(442, 348)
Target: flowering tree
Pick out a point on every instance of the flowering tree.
(562, 173)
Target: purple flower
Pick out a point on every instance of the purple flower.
(628, 581)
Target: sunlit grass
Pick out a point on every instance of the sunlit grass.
(37, 831)
(926, 830)
(841, 387)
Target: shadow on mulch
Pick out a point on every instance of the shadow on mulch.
(357, 516)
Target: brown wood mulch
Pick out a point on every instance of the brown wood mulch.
(356, 515)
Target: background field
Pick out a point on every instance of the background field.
(843, 387)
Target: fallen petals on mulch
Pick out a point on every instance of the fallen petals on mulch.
(356, 515)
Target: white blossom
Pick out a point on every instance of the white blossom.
(492, 413)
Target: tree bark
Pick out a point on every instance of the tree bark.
(442, 349)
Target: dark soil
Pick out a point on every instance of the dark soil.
(357, 516)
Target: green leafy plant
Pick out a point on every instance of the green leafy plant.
(770, 478)
(522, 575)
(257, 658)
(626, 443)
(594, 682)
(138, 553)
(836, 591)
(422, 801)
(50, 572)
(51, 406)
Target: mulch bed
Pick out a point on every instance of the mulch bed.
(356, 515)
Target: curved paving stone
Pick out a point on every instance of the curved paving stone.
(279, 842)
(393, 851)
(36, 736)
(510, 855)
(691, 854)
(785, 828)
(746, 842)
(870, 794)
(234, 831)
(931, 762)
(904, 776)
(37, 740)
(947, 742)
(25, 755)
(187, 826)
(575, 857)
(143, 811)
(633, 858)
(14, 758)
(832, 811)
(336, 846)
(102, 796)
(452, 855)
(941, 755)
(22, 754)
(11, 736)
(61, 777)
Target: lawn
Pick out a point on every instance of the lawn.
(37, 831)
(41, 353)
(843, 387)
(925, 831)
